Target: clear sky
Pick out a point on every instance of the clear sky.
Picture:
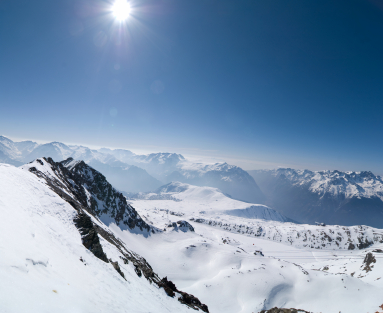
(259, 83)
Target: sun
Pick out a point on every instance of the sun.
(121, 10)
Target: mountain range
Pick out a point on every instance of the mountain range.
(331, 197)
(139, 173)
(70, 241)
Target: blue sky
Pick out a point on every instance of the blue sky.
(258, 83)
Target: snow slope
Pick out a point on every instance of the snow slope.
(232, 272)
(44, 267)
(225, 263)
(81, 182)
(237, 264)
(207, 201)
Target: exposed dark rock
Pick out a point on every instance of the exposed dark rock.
(368, 260)
(89, 235)
(117, 268)
(185, 298)
(137, 270)
(142, 267)
(168, 286)
(70, 184)
(173, 225)
(365, 244)
(114, 203)
(83, 186)
(199, 220)
(185, 225)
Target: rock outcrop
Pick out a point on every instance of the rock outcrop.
(89, 193)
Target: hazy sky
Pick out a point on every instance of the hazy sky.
(259, 83)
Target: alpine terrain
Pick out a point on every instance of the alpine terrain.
(331, 197)
(71, 241)
(59, 255)
(139, 173)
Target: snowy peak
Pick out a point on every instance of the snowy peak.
(90, 188)
(208, 201)
(189, 192)
(69, 163)
(350, 184)
(159, 164)
(25, 147)
(6, 142)
(122, 155)
(331, 197)
(162, 158)
(55, 150)
(8, 148)
(229, 179)
(173, 187)
(151, 171)
(55, 254)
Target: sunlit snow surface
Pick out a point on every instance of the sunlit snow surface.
(220, 267)
(229, 269)
(40, 267)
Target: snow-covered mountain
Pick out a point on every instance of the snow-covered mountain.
(58, 255)
(12, 153)
(56, 150)
(160, 165)
(334, 197)
(134, 173)
(206, 201)
(125, 177)
(69, 241)
(229, 178)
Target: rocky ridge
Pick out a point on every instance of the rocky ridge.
(85, 189)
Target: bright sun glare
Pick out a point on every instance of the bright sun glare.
(121, 10)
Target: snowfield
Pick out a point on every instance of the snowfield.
(245, 264)
(208, 200)
(234, 256)
(41, 252)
